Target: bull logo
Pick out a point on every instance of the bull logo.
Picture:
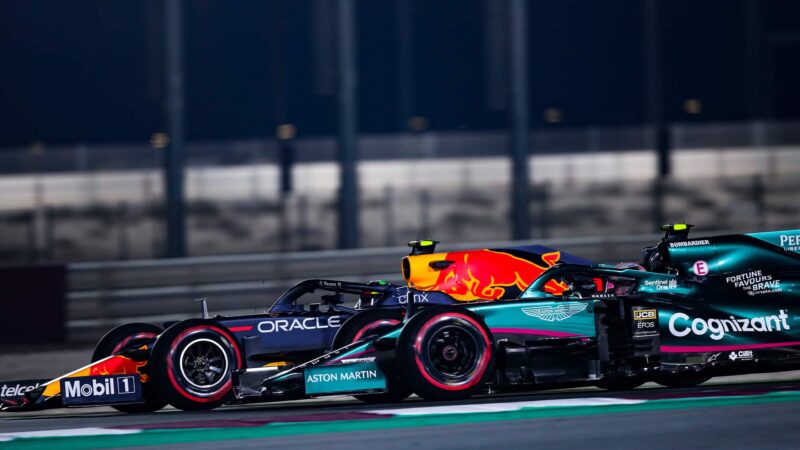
(482, 274)
(553, 313)
(118, 365)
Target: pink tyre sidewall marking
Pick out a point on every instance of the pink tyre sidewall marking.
(477, 373)
(219, 393)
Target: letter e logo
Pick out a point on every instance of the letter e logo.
(700, 268)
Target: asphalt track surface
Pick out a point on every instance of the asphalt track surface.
(730, 416)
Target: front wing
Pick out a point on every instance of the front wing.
(112, 380)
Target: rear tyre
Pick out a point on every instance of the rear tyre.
(192, 363)
(681, 381)
(132, 336)
(445, 353)
(373, 323)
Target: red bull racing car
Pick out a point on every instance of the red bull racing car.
(142, 367)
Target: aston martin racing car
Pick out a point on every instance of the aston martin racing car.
(689, 310)
(142, 367)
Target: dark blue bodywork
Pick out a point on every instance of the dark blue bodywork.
(294, 330)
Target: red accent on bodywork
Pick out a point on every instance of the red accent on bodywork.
(242, 328)
(116, 365)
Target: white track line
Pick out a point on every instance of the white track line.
(89, 431)
(506, 406)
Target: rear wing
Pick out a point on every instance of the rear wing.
(787, 239)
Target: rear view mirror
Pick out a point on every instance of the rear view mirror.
(332, 299)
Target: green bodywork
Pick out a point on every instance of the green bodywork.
(788, 239)
(344, 378)
(747, 299)
(718, 294)
(547, 318)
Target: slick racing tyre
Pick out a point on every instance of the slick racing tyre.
(132, 336)
(373, 323)
(192, 362)
(445, 353)
(681, 381)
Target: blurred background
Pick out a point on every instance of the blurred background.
(137, 130)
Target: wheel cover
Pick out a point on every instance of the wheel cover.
(173, 372)
(452, 351)
(204, 363)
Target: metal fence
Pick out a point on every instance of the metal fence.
(105, 203)
(82, 158)
(231, 211)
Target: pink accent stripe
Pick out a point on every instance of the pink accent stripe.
(721, 348)
(536, 332)
(243, 328)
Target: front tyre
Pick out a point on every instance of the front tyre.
(445, 353)
(192, 363)
(132, 336)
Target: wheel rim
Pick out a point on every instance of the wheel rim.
(452, 354)
(204, 363)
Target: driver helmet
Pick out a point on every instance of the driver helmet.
(367, 296)
(586, 286)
